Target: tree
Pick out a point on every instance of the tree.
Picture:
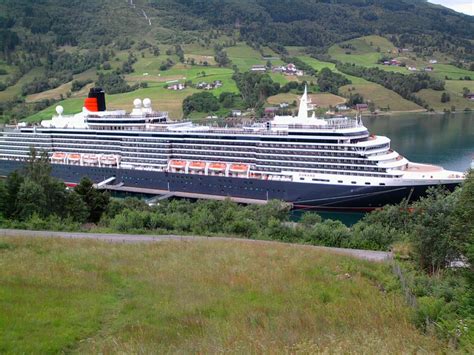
(221, 58)
(463, 224)
(445, 97)
(255, 88)
(3, 198)
(227, 99)
(31, 200)
(76, 208)
(96, 201)
(38, 167)
(12, 186)
(434, 243)
(372, 107)
(355, 99)
(200, 102)
(329, 81)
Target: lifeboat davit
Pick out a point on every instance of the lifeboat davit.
(58, 156)
(108, 160)
(74, 157)
(177, 164)
(220, 167)
(90, 159)
(197, 165)
(239, 168)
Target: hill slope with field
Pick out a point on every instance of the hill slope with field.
(54, 51)
(205, 297)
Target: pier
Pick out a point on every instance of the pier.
(190, 195)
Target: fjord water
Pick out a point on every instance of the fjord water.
(442, 139)
(446, 140)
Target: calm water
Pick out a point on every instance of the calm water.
(446, 140)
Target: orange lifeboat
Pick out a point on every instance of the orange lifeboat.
(197, 165)
(74, 157)
(58, 156)
(177, 164)
(239, 168)
(217, 167)
(90, 158)
(108, 160)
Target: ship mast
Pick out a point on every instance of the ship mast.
(303, 110)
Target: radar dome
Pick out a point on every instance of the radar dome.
(59, 110)
(147, 102)
(137, 103)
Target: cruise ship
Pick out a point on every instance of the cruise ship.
(310, 162)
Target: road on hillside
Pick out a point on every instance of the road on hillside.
(370, 255)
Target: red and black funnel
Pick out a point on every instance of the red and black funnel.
(95, 101)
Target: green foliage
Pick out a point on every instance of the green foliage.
(329, 81)
(445, 97)
(255, 88)
(435, 246)
(32, 194)
(95, 200)
(200, 102)
(114, 83)
(405, 85)
(79, 84)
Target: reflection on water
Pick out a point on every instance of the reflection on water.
(446, 140)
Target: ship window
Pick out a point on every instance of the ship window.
(367, 183)
(353, 182)
(339, 181)
(382, 184)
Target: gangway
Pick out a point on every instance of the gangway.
(155, 199)
(105, 182)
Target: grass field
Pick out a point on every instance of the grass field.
(197, 297)
(244, 57)
(381, 96)
(15, 90)
(318, 65)
(455, 90)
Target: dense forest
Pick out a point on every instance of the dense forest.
(42, 25)
(321, 23)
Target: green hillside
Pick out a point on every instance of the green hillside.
(47, 45)
(198, 297)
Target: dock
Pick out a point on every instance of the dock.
(190, 195)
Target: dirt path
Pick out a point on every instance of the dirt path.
(370, 255)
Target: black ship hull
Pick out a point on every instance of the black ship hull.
(300, 195)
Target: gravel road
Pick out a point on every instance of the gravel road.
(370, 255)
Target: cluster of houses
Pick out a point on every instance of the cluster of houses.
(289, 69)
(209, 86)
(176, 87)
(397, 63)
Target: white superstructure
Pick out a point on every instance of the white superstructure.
(302, 149)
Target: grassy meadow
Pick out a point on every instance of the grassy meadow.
(381, 96)
(200, 297)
